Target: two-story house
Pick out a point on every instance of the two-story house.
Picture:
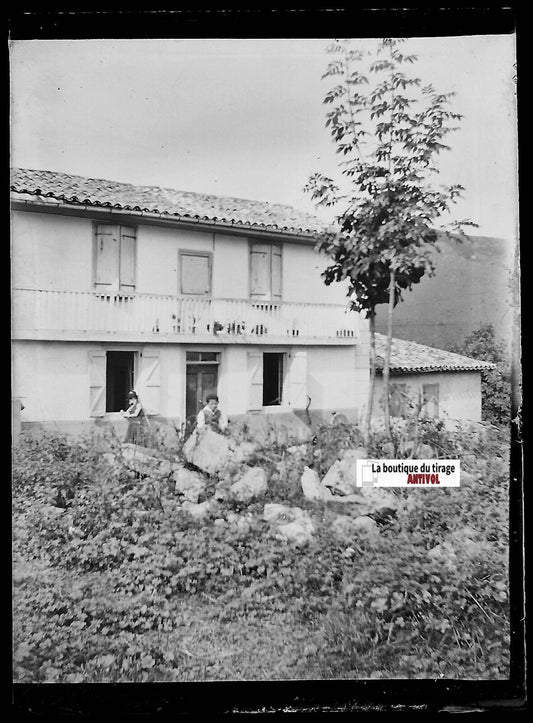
(174, 294)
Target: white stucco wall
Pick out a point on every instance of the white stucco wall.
(301, 277)
(459, 392)
(52, 251)
(53, 378)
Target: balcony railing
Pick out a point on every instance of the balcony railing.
(77, 314)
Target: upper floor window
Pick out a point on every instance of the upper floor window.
(195, 272)
(115, 257)
(265, 271)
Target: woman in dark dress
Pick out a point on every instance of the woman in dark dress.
(136, 420)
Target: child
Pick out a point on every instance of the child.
(210, 417)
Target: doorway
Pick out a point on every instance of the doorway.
(202, 379)
(119, 379)
(272, 379)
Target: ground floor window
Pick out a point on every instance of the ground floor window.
(119, 379)
(272, 379)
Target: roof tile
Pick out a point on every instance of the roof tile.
(409, 356)
(166, 201)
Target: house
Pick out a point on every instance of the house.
(444, 384)
(175, 294)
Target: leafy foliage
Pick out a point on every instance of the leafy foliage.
(389, 129)
(118, 584)
(482, 344)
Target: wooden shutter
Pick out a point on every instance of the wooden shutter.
(148, 384)
(255, 380)
(260, 271)
(97, 373)
(106, 259)
(276, 273)
(127, 258)
(195, 274)
(298, 379)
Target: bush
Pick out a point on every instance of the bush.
(495, 383)
(107, 558)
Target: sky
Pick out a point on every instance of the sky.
(245, 118)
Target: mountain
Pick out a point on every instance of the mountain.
(472, 286)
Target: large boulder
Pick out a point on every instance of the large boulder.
(208, 450)
(188, 483)
(312, 488)
(340, 479)
(253, 484)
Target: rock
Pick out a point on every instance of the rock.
(243, 451)
(378, 501)
(341, 476)
(366, 525)
(444, 552)
(51, 510)
(252, 485)
(300, 531)
(290, 523)
(189, 484)
(145, 461)
(297, 449)
(198, 511)
(208, 450)
(312, 488)
(466, 478)
(274, 512)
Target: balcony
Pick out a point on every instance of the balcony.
(95, 316)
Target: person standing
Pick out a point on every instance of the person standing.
(135, 415)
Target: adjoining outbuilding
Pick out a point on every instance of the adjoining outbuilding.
(440, 383)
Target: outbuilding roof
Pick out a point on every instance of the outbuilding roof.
(409, 356)
(181, 205)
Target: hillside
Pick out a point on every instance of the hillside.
(471, 287)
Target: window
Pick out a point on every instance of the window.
(115, 249)
(202, 356)
(277, 379)
(195, 273)
(398, 400)
(265, 271)
(430, 400)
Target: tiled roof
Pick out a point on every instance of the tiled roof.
(183, 205)
(409, 356)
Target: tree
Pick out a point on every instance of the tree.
(389, 129)
(482, 344)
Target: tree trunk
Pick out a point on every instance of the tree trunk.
(372, 326)
(386, 365)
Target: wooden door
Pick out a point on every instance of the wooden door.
(202, 379)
